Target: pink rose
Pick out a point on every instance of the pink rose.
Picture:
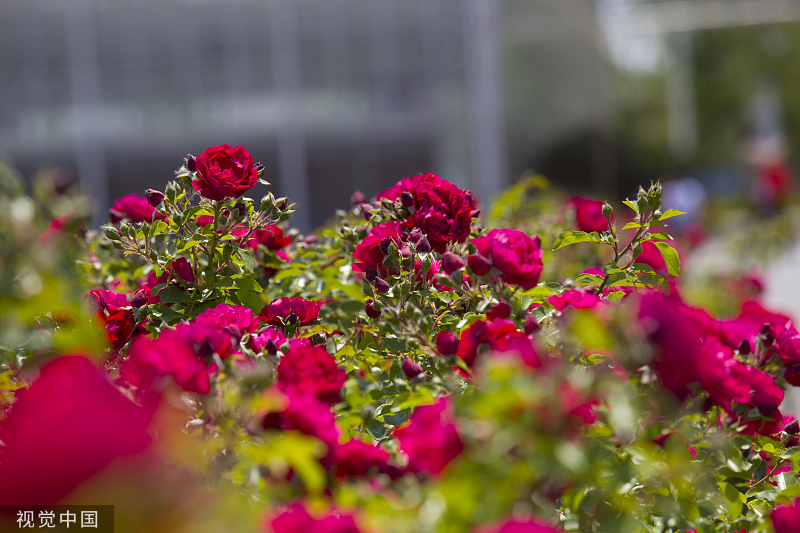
(589, 214)
(517, 256)
(135, 208)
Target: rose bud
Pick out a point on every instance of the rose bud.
(447, 342)
(234, 331)
(531, 325)
(406, 199)
(765, 329)
(139, 299)
(479, 264)
(291, 319)
(371, 275)
(414, 236)
(369, 307)
(792, 428)
(154, 197)
(318, 338)
(381, 285)
(206, 348)
(365, 210)
(405, 251)
(385, 243)
(767, 339)
(357, 198)
(452, 262)
(271, 421)
(423, 246)
(500, 310)
(744, 347)
(271, 347)
(311, 240)
(411, 368)
(191, 163)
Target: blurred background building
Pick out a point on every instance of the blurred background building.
(338, 95)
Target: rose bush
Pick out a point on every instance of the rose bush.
(403, 361)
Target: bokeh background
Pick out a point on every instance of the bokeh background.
(331, 96)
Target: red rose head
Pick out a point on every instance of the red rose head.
(296, 519)
(430, 439)
(67, 427)
(369, 255)
(134, 208)
(225, 316)
(225, 172)
(285, 310)
(271, 237)
(517, 256)
(785, 518)
(311, 371)
(589, 214)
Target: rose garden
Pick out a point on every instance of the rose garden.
(424, 363)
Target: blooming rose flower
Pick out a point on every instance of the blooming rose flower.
(502, 337)
(135, 208)
(517, 256)
(182, 270)
(225, 172)
(230, 316)
(519, 526)
(357, 459)
(168, 356)
(589, 214)
(67, 427)
(295, 519)
(442, 211)
(305, 413)
(576, 298)
(785, 518)
(725, 378)
(273, 334)
(278, 312)
(430, 439)
(115, 311)
(368, 254)
(311, 371)
(271, 237)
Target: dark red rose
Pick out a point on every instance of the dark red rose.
(308, 415)
(271, 237)
(280, 311)
(452, 262)
(169, 356)
(517, 256)
(117, 316)
(589, 214)
(225, 172)
(150, 282)
(369, 253)
(442, 211)
(68, 426)
(785, 518)
(479, 264)
(430, 440)
(295, 519)
(447, 342)
(411, 368)
(499, 310)
(182, 270)
(481, 332)
(134, 208)
(311, 371)
(154, 197)
(369, 307)
(356, 459)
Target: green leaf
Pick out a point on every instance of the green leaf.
(247, 259)
(671, 258)
(669, 213)
(663, 236)
(632, 225)
(632, 205)
(246, 283)
(574, 237)
(250, 299)
(733, 498)
(173, 295)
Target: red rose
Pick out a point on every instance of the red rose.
(67, 427)
(182, 270)
(786, 517)
(442, 211)
(296, 519)
(368, 254)
(502, 337)
(308, 415)
(278, 312)
(311, 371)
(225, 172)
(271, 237)
(589, 214)
(579, 299)
(430, 439)
(117, 316)
(236, 319)
(357, 459)
(168, 356)
(518, 526)
(134, 208)
(517, 256)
